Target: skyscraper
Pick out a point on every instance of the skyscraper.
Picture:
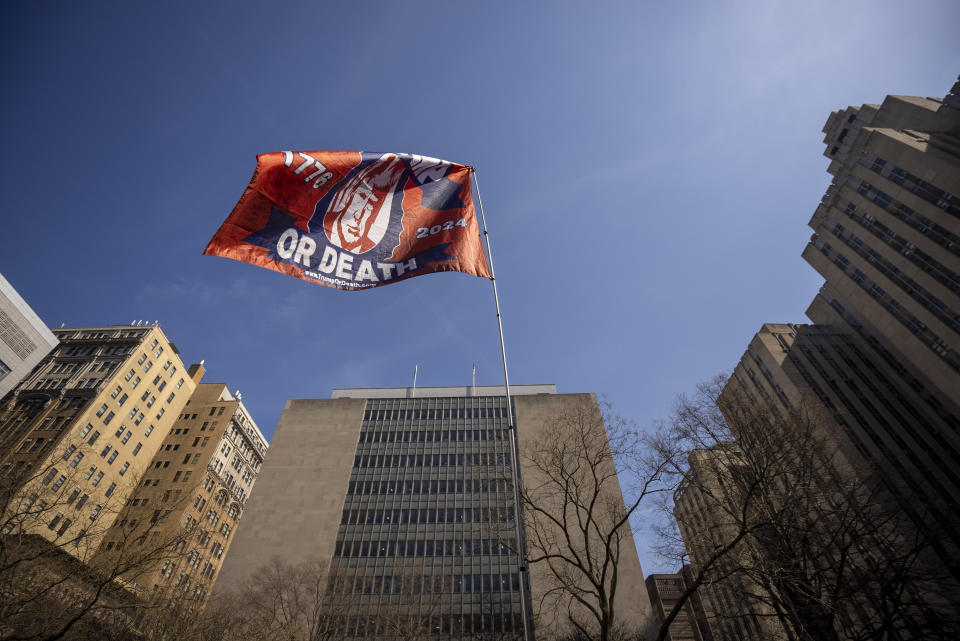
(880, 369)
(404, 491)
(887, 236)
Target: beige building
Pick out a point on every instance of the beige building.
(880, 370)
(78, 433)
(709, 510)
(24, 338)
(398, 489)
(665, 591)
(192, 494)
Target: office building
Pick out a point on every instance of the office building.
(78, 432)
(192, 494)
(404, 491)
(24, 338)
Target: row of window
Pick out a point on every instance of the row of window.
(932, 194)
(924, 225)
(401, 516)
(895, 309)
(437, 413)
(446, 459)
(433, 436)
(429, 584)
(432, 547)
(914, 289)
(430, 486)
(447, 625)
(917, 256)
(62, 478)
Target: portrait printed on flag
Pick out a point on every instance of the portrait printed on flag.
(354, 220)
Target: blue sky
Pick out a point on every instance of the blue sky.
(648, 170)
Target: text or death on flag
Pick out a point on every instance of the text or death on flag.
(354, 220)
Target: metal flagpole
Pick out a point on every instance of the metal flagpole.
(512, 430)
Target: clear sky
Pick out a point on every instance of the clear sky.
(647, 168)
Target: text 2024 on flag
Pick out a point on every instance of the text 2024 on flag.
(354, 220)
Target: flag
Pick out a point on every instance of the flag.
(354, 220)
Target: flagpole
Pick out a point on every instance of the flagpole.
(512, 431)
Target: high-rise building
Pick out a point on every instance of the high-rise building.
(77, 434)
(24, 338)
(193, 492)
(399, 491)
(880, 367)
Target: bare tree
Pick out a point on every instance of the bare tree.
(53, 584)
(577, 519)
(810, 545)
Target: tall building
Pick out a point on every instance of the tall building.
(193, 491)
(24, 338)
(77, 434)
(880, 367)
(887, 236)
(404, 491)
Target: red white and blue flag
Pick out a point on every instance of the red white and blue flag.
(354, 220)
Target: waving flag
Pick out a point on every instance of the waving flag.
(354, 220)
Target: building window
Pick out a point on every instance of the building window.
(129, 376)
(103, 408)
(108, 418)
(70, 450)
(116, 392)
(97, 479)
(135, 382)
(137, 448)
(76, 459)
(113, 457)
(110, 489)
(86, 430)
(58, 483)
(123, 470)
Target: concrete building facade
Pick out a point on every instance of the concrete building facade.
(24, 338)
(690, 623)
(880, 367)
(398, 490)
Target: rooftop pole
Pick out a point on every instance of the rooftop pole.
(512, 430)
